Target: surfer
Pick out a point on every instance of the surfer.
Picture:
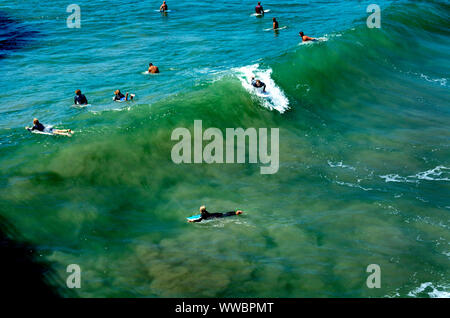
(275, 23)
(163, 7)
(259, 9)
(39, 127)
(258, 84)
(119, 97)
(306, 38)
(153, 69)
(79, 98)
(205, 215)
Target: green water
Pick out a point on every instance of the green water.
(363, 178)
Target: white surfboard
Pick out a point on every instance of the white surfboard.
(81, 106)
(282, 28)
(260, 14)
(41, 132)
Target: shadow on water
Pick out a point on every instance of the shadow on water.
(24, 275)
(13, 35)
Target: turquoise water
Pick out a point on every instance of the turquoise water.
(364, 147)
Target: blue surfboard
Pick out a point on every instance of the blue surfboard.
(194, 217)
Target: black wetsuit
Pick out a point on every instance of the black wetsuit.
(261, 85)
(80, 100)
(206, 215)
(38, 127)
(119, 97)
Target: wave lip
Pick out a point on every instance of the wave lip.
(275, 97)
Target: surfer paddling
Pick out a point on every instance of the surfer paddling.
(79, 98)
(153, 69)
(205, 215)
(163, 7)
(259, 9)
(306, 38)
(41, 128)
(119, 97)
(258, 84)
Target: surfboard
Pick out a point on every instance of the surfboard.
(42, 133)
(260, 93)
(194, 217)
(81, 106)
(282, 28)
(37, 132)
(163, 11)
(260, 14)
(123, 101)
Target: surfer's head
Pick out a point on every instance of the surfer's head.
(35, 121)
(117, 92)
(202, 209)
(259, 3)
(238, 212)
(301, 33)
(78, 92)
(150, 64)
(274, 19)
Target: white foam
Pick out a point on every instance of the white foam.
(434, 293)
(274, 98)
(442, 81)
(318, 40)
(439, 173)
(340, 165)
(394, 178)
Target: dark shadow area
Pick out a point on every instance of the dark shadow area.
(23, 275)
(13, 35)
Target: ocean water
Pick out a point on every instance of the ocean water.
(363, 120)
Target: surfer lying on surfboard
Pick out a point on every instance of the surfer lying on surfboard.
(39, 127)
(258, 84)
(306, 38)
(119, 97)
(205, 215)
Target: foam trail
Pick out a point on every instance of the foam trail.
(274, 99)
(431, 290)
